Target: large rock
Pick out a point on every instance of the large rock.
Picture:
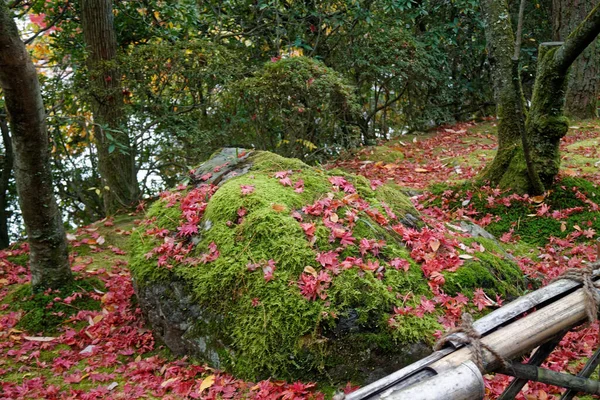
(265, 266)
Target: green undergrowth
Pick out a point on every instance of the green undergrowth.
(490, 269)
(18, 259)
(44, 313)
(388, 153)
(521, 216)
(269, 328)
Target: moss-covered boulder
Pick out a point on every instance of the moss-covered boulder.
(265, 266)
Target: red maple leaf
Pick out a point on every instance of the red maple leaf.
(246, 189)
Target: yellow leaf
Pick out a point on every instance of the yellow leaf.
(310, 270)
(577, 228)
(278, 207)
(421, 170)
(539, 199)
(207, 382)
(334, 218)
(98, 318)
(168, 382)
(563, 226)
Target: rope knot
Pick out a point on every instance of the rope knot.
(470, 337)
(592, 297)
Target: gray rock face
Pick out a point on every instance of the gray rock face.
(227, 163)
(174, 317)
(476, 231)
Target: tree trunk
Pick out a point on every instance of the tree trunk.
(500, 44)
(49, 260)
(582, 86)
(546, 124)
(7, 166)
(116, 158)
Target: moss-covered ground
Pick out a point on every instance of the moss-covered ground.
(95, 344)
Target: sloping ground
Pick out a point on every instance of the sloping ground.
(548, 234)
(101, 349)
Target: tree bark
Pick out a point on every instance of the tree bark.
(49, 260)
(7, 166)
(582, 86)
(545, 124)
(116, 157)
(500, 44)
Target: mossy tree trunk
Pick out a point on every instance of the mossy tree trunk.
(509, 97)
(116, 156)
(582, 86)
(49, 261)
(545, 124)
(7, 166)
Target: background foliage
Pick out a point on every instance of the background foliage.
(304, 79)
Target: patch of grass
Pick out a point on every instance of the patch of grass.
(45, 312)
(388, 153)
(522, 216)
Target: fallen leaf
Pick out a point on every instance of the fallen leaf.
(39, 338)
(171, 380)
(434, 244)
(539, 199)
(466, 257)
(421, 170)
(310, 270)
(278, 207)
(207, 382)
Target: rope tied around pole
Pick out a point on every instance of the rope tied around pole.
(470, 337)
(584, 276)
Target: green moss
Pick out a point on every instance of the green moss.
(42, 314)
(522, 216)
(50, 355)
(269, 328)
(385, 154)
(490, 270)
(166, 216)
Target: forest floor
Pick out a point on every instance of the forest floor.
(101, 348)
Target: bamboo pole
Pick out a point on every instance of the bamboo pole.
(537, 374)
(537, 359)
(461, 383)
(524, 334)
